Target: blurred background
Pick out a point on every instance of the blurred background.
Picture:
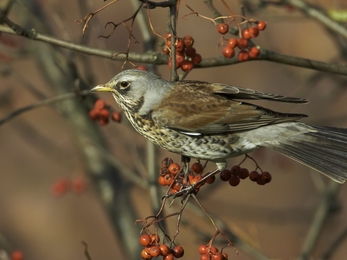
(60, 145)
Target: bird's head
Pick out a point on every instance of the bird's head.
(136, 90)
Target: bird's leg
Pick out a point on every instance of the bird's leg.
(185, 165)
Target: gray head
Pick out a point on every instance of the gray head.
(136, 90)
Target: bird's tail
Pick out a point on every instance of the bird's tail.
(323, 149)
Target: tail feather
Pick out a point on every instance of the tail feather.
(324, 150)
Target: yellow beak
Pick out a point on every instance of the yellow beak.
(101, 88)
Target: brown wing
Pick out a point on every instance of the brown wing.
(205, 108)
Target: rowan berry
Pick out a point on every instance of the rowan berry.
(223, 28)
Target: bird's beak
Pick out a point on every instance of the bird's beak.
(101, 88)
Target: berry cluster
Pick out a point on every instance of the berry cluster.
(186, 55)
(260, 178)
(234, 175)
(245, 52)
(60, 187)
(153, 248)
(101, 113)
(211, 253)
(170, 176)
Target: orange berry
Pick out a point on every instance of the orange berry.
(246, 34)
(145, 255)
(243, 56)
(196, 59)
(116, 116)
(232, 42)
(261, 25)
(203, 249)
(174, 168)
(166, 50)
(164, 250)
(188, 41)
(234, 180)
(225, 256)
(145, 240)
(154, 251)
(213, 250)
(187, 65)
(169, 257)
(225, 175)
(177, 186)
(155, 239)
(178, 251)
(190, 52)
(17, 255)
(228, 52)
(197, 168)
(223, 28)
(217, 256)
(253, 32)
(168, 179)
(254, 52)
(161, 180)
(100, 104)
(205, 257)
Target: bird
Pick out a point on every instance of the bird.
(215, 121)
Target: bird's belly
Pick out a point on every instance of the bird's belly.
(206, 147)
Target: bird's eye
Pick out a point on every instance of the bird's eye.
(124, 84)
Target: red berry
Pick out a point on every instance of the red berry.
(242, 43)
(253, 176)
(180, 46)
(103, 121)
(260, 180)
(223, 28)
(197, 168)
(169, 63)
(166, 162)
(141, 67)
(104, 113)
(225, 175)
(178, 251)
(116, 116)
(235, 170)
(174, 168)
(161, 180)
(211, 179)
(243, 56)
(177, 186)
(225, 256)
(100, 104)
(179, 59)
(205, 257)
(232, 42)
(187, 65)
(254, 52)
(217, 256)
(266, 176)
(213, 250)
(60, 187)
(78, 185)
(94, 114)
(246, 34)
(166, 50)
(190, 52)
(253, 32)
(234, 180)
(228, 52)
(155, 239)
(196, 59)
(188, 41)
(243, 173)
(145, 240)
(261, 25)
(17, 255)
